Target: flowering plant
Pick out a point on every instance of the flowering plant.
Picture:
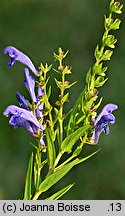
(57, 133)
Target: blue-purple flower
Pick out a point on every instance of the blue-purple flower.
(103, 120)
(19, 115)
(16, 55)
(22, 101)
(29, 83)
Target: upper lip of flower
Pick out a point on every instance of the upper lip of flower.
(16, 55)
(102, 121)
(107, 109)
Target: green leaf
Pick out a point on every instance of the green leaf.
(68, 143)
(65, 98)
(107, 55)
(56, 176)
(97, 69)
(28, 183)
(66, 71)
(56, 71)
(87, 157)
(71, 125)
(69, 86)
(50, 136)
(115, 25)
(100, 81)
(88, 76)
(57, 83)
(79, 118)
(108, 21)
(115, 7)
(98, 104)
(65, 54)
(104, 70)
(57, 113)
(109, 41)
(56, 56)
(35, 174)
(97, 52)
(60, 193)
(49, 92)
(59, 174)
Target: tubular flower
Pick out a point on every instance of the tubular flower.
(22, 117)
(103, 120)
(29, 83)
(16, 55)
(22, 101)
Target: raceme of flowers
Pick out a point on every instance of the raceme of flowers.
(27, 116)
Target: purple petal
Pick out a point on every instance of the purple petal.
(25, 114)
(29, 83)
(96, 135)
(16, 55)
(103, 120)
(18, 121)
(40, 92)
(22, 101)
(106, 110)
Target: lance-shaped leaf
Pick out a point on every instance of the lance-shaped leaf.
(50, 136)
(60, 193)
(97, 52)
(73, 113)
(58, 83)
(87, 157)
(58, 174)
(68, 143)
(65, 98)
(28, 184)
(88, 76)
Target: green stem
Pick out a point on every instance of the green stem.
(65, 162)
(37, 194)
(58, 158)
(39, 166)
(61, 105)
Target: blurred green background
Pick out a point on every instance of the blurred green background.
(38, 28)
